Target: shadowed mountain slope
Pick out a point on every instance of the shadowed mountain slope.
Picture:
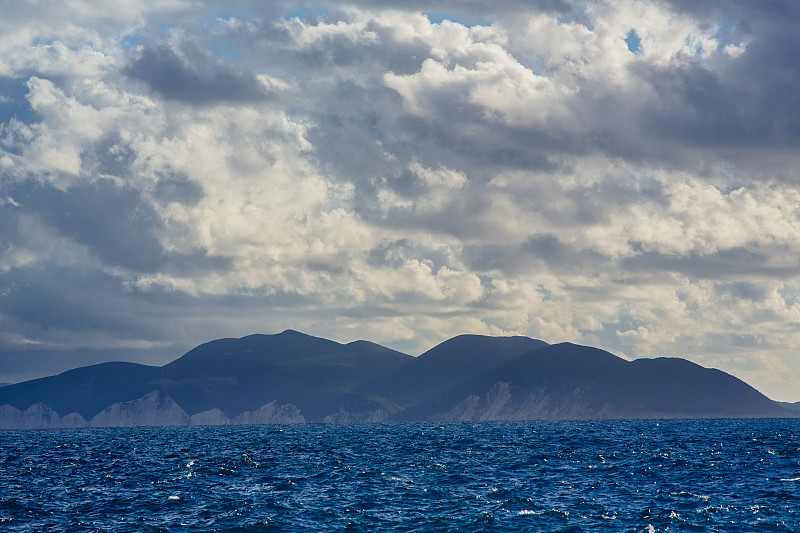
(233, 375)
(568, 381)
(317, 375)
(794, 406)
(86, 390)
(452, 362)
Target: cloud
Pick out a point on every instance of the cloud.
(189, 75)
(114, 224)
(175, 172)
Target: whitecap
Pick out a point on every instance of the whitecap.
(685, 494)
(173, 497)
(791, 479)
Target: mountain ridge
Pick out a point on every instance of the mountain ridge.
(292, 377)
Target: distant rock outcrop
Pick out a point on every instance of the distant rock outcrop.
(212, 417)
(498, 405)
(345, 417)
(795, 406)
(38, 416)
(571, 382)
(153, 409)
(293, 378)
(494, 405)
(271, 413)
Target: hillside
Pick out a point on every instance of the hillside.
(568, 381)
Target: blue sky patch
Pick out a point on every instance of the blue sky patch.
(634, 42)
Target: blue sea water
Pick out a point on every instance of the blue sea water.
(685, 475)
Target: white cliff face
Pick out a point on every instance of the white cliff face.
(152, 409)
(271, 413)
(212, 417)
(37, 416)
(73, 420)
(494, 405)
(378, 416)
(539, 406)
(497, 405)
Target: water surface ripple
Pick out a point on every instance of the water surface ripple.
(721, 475)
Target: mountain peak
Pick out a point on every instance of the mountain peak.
(292, 333)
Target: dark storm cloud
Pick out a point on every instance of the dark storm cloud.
(109, 156)
(771, 69)
(381, 50)
(348, 137)
(59, 307)
(116, 225)
(530, 256)
(751, 100)
(177, 188)
(466, 142)
(195, 264)
(113, 223)
(744, 290)
(563, 256)
(82, 301)
(391, 254)
(696, 107)
(740, 262)
(477, 8)
(462, 215)
(701, 107)
(190, 75)
(778, 11)
(354, 140)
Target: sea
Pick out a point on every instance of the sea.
(667, 475)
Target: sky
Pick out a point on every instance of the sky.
(623, 174)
